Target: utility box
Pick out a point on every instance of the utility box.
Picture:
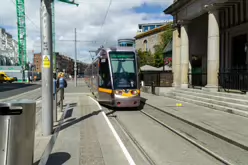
(17, 132)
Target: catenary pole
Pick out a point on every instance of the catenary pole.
(47, 67)
(75, 64)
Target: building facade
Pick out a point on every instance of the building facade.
(126, 42)
(149, 26)
(8, 49)
(210, 40)
(64, 64)
(147, 40)
(37, 61)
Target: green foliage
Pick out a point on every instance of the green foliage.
(156, 59)
(165, 39)
(145, 58)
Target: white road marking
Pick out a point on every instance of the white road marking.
(124, 149)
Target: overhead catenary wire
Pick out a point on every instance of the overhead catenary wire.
(106, 14)
(30, 20)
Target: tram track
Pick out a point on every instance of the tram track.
(122, 126)
(219, 149)
(189, 140)
(130, 136)
(229, 154)
(215, 147)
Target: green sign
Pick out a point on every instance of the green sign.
(122, 56)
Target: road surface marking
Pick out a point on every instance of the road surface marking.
(126, 153)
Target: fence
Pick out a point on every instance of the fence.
(160, 78)
(233, 79)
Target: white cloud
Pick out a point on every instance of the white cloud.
(87, 18)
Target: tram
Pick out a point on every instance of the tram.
(113, 77)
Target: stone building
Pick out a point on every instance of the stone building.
(147, 40)
(8, 48)
(210, 39)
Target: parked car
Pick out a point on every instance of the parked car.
(5, 78)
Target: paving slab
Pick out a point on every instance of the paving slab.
(84, 137)
(223, 124)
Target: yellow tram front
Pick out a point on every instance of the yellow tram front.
(125, 83)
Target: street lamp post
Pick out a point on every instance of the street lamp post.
(47, 64)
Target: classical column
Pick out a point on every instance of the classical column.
(176, 56)
(213, 49)
(184, 54)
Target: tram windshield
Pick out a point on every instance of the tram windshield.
(124, 70)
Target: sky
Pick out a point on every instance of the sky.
(88, 18)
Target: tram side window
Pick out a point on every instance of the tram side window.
(104, 74)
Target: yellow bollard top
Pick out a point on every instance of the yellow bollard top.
(178, 104)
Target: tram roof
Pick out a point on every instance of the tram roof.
(119, 48)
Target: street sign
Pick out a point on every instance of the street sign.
(46, 61)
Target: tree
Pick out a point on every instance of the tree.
(165, 38)
(158, 56)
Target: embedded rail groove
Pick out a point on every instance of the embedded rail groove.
(135, 142)
(209, 152)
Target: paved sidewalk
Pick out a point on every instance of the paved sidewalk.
(222, 124)
(84, 137)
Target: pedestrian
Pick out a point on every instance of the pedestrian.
(30, 78)
(61, 84)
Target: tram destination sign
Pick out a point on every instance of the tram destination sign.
(122, 56)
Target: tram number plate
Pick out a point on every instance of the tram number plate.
(103, 60)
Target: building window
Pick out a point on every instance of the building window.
(146, 28)
(145, 45)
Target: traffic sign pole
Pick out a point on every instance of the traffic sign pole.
(47, 67)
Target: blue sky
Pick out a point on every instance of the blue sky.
(155, 10)
(146, 8)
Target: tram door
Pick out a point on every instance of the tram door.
(105, 88)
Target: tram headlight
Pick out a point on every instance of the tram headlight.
(118, 92)
(134, 92)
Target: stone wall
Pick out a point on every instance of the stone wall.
(152, 40)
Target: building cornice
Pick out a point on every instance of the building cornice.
(154, 31)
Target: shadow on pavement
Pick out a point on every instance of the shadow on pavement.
(75, 121)
(8, 90)
(57, 158)
(6, 87)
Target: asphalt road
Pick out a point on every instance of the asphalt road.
(9, 90)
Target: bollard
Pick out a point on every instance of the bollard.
(54, 101)
(61, 99)
(17, 127)
(153, 88)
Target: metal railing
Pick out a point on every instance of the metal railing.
(157, 79)
(58, 92)
(197, 80)
(233, 79)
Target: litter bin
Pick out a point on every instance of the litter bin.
(17, 132)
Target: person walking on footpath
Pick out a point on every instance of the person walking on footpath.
(61, 84)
